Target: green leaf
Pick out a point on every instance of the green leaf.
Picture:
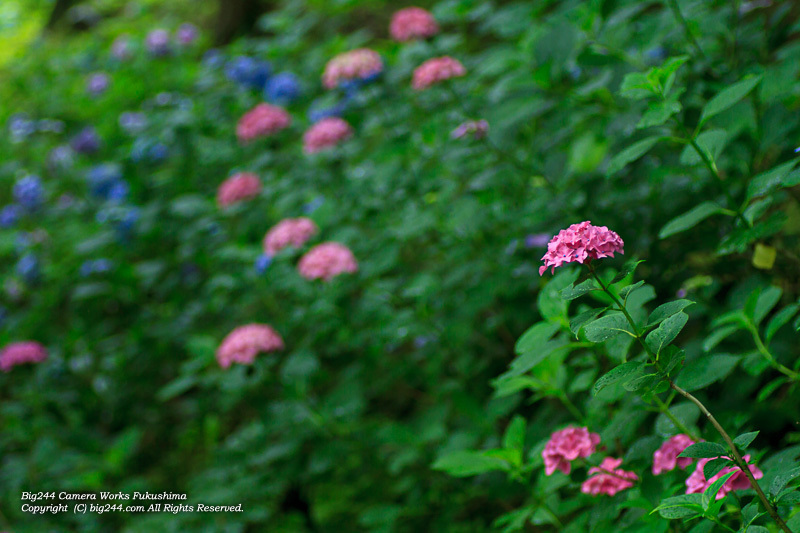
(665, 333)
(467, 463)
(684, 506)
(630, 154)
(710, 493)
(711, 143)
(789, 498)
(761, 302)
(572, 292)
(664, 311)
(745, 439)
(779, 320)
(176, 387)
(514, 437)
(770, 180)
(636, 86)
(628, 289)
(577, 322)
(690, 219)
(607, 327)
(536, 336)
(783, 479)
(704, 450)
(616, 374)
(705, 370)
(728, 97)
(647, 381)
(713, 467)
(718, 335)
(658, 113)
(627, 268)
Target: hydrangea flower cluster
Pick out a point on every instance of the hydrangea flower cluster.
(580, 243)
(326, 261)
(132, 122)
(567, 445)
(261, 121)
(157, 42)
(9, 215)
(186, 34)
(289, 232)
(245, 342)
(361, 65)
(248, 71)
(436, 70)
(122, 48)
(326, 133)
(282, 88)
(241, 186)
(697, 482)
(19, 353)
(97, 83)
(95, 266)
(477, 129)
(666, 457)
(608, 478)
(106, 182)
(317, 111)
(412, 23)
(87, 141)
(29, 192)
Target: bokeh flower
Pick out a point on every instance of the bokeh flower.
(326, 133)
(318, 111)
(262, 263)
(666, 457)
(248, 71)
(289, 232)
(436, 70)
(580, 243)
(326, 261)
(245, 342)
(565, 446)
(477, 129)
(282, 88)
(603, 482)
(29, 269)
(697, 482)
(132, 122)
(29, 192)
(186, 34)
(122, 48)
(18, 353)
(97, 83)
(241, 186)
(9, 215)
(261, 121)
(86, 141)
(157, 42)
(106, 183)
(412, 23)
(361, 65)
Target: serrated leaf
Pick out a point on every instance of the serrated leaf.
(789, 498)
(783, 479)
(665, 333)
(745, 439)
(713, 467)
(728, 97)
(704, 450)
(606, 327)
(664, 311)
(572, 292)
(630, 154)
(616, 375)
(642, 382)
(705, 370)
(690, 219)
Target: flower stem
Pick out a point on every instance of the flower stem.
(737, 458)
(763, 350)
(664, 408)
(676, 10)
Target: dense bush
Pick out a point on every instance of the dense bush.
(434, 380)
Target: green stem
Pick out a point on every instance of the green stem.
(763, 350)
(664, 409)
(676, 10)
(720, 524)
(737, 458)
(571, 407)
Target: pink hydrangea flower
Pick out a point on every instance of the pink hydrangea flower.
(579, 243)
(18, 353)
(186, 33)
(436, 70)
(157, 42)
(238, 187)
(326, 133)
(245, 342)
(567, 445)
(666, 458)
(359, 64)
(326, 261)
(697, 482)
(289, 232)
(412, 23)
(475, 128)
(262, 120)
(604, 482)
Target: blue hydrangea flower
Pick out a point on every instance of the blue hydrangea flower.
(282, 88)
(317, 112)
(90, 267)
(20, 127)
(213, 58)
(28, 268)
(313, 205)
(248, 71)
(61, 158)
(9, 215)
(86, 141)
(262, 263)
(29, 192)
(158, 152)
(103, 178)
(132, 122)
